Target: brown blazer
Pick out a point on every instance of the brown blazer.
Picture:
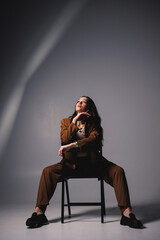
(90, 144)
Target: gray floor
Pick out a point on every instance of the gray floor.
(84, 224)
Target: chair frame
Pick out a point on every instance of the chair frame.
(69, 203)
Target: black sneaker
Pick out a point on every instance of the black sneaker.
(131, 222)
(36, 220)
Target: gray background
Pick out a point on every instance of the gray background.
(109, 51)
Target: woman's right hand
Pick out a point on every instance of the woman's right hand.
(79, 116)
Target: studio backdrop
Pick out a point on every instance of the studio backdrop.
(54, 53)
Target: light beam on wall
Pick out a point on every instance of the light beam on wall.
(47, 44)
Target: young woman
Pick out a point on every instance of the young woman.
(82, 132)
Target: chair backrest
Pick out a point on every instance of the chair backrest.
(70, 173)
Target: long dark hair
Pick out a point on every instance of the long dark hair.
(92, 110)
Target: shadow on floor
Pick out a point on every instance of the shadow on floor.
(84, 214)
(146, 213)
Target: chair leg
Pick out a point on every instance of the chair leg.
(102, 201)
(103, 196)
(62, 202)
(68, 199)
(65, 182)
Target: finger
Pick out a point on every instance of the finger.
(87, 114)
(60, 152)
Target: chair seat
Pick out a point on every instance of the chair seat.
(78, 174)
(81, 177)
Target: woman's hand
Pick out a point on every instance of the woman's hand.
(63, 149)
(79, 116)
(66, 148)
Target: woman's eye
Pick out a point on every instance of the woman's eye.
(81, 102)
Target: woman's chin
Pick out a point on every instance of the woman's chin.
(78, 110)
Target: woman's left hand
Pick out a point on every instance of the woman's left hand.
(64, 149)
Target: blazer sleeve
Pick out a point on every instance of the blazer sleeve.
(68, 131)
(92, 140)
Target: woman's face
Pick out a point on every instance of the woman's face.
(81, 105)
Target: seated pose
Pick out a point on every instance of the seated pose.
(83, 133)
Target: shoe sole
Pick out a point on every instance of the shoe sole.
(125, 224)
(36, 225)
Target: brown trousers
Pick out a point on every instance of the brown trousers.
(113, 175)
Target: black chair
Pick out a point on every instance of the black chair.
(65, 178)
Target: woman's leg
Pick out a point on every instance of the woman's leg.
(115, 176)
(48, 182)
(51, 175)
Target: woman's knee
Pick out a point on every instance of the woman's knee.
(119, 171)
(47, 170)
(53, 169)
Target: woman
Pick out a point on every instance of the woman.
(81, 137)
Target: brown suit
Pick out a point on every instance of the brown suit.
(113, 174)
(90, 144)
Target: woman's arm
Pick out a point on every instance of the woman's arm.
(93, 139)
(68, 131)
(67, 147)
